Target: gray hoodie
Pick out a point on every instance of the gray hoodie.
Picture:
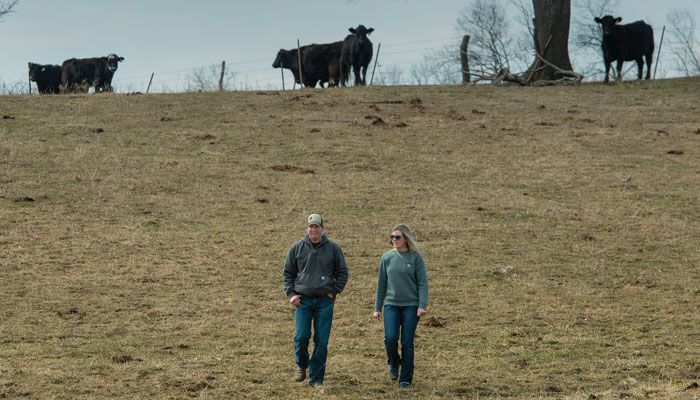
(315, 269)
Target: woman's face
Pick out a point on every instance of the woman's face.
(398, 240)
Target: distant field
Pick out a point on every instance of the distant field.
(142, 239)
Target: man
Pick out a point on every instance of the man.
(314, 274)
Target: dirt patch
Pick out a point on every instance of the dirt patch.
(376, 120)
(206, 136)
(122, 359)
(298, 98)
(435, 322)
(292, 168)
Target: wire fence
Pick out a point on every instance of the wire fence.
(258, 74)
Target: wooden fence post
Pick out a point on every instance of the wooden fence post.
(149, 82)
(221, 77)
(282, 71)
(466, 77)
(371, 78)
(301, 77)
(658, 54)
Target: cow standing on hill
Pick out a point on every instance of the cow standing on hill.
(357, 52)
(47, 77)
(626, 43)
(320, 63)
(288, 59)
(79, 74)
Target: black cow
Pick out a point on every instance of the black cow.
(320, 63)
(79, 74)
(357, 52)
(288, 59)
(626, 43)
(47, 77)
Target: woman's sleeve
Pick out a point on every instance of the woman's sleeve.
(422, 281)
(381, 286)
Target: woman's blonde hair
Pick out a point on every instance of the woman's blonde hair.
(407, 233)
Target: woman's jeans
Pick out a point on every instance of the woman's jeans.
(318, 310)
(400, 323)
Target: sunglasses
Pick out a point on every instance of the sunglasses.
(398, 237)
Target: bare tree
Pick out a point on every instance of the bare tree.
(206, 79)
(421, 72)
(587, 35)
(525, 20)
(7, 6)
(682, 30)
(389, 76)
(493, 44)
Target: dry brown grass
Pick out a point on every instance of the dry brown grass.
(561, 239)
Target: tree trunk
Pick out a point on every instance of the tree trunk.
(552, 20)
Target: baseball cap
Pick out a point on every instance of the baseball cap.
(314, 219)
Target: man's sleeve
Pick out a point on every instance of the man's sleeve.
(289, 274)
(341, 276)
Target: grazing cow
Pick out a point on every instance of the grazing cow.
(79, 74)
(47, 77)
(626, 43)
(356, 52)
(319, 63)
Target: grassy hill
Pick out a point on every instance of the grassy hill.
(142, 239)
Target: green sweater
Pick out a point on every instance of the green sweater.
(402, 280)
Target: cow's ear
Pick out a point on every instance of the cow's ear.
(618, 19)
(120, 59)
(352, 30)
(598, 20)
(370, 30)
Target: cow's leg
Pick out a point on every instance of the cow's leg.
(358, 77)
(607, 71)
(364, 75)
(343, 74)
(619, 71)
(640, 67)
(648, 57)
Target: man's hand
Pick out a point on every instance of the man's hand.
(378, 315)
(295, 300)
(422, 312)
(330, 296)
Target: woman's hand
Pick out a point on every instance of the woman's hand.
(422, 312)
(377, 315)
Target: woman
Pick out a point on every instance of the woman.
(402, 288)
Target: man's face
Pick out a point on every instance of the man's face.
(314, 232)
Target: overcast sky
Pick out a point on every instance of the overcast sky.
(172, 37)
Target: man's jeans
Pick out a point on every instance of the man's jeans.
(400, 323)
(320, 311)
